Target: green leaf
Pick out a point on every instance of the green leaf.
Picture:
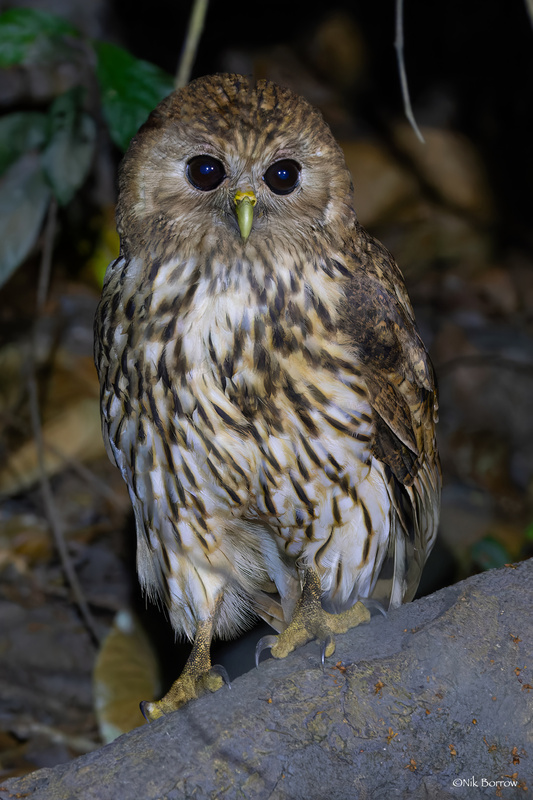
(24, 197)
(20, 132)
(67, 157)
(130, 90)
(28, 35)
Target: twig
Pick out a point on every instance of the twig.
(52, 513)
(88, 476)
(529, 9)
(194, 31)
(46, 259)
(398, 44)
(76, 466)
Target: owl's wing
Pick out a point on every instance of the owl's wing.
(380, 326)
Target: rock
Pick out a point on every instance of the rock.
(437, 695)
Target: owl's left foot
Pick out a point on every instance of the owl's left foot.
(197, 677)
(310, 621)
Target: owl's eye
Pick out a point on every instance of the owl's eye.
(205, 173)
(283, 176)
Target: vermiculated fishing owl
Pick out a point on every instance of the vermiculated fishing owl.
(265, 392)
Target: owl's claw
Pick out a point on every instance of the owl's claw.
(374, 605)
(143, 705)
(265, 643)
(310, 621)
(218, 669)
(327, 644)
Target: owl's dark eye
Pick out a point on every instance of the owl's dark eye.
(283, 177)
(205, 173)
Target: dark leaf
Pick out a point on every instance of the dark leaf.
(490, 554)
(28, 35)
(130, 90)
(68, 155)
(24, 197)
(20, 132)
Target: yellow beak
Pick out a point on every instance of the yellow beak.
(244, 209)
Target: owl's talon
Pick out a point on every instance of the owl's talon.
(374, 605)
(310, 621)
(218, 669)
(327, 645)
(143, 705)
(265, 643)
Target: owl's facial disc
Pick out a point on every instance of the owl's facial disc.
(244, 209)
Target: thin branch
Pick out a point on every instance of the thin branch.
(398, 44)
(72, 463)
(89, 477)
(52, 513)
(194, 31)
(46, 259)
(529, 9)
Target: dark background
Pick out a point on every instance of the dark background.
(470, 72)
(469, 64)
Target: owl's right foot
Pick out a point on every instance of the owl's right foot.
(197, 678)
(310, 621)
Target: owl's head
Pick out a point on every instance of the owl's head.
(228, 160)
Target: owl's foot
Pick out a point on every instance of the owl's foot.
(310, 621)
(197, 678)
(187, 687)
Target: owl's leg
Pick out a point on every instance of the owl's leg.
(197, 677)
(310, 621)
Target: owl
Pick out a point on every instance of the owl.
(264, 389)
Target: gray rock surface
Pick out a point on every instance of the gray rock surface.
(433, 701)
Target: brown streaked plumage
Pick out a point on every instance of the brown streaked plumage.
(265, 392)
